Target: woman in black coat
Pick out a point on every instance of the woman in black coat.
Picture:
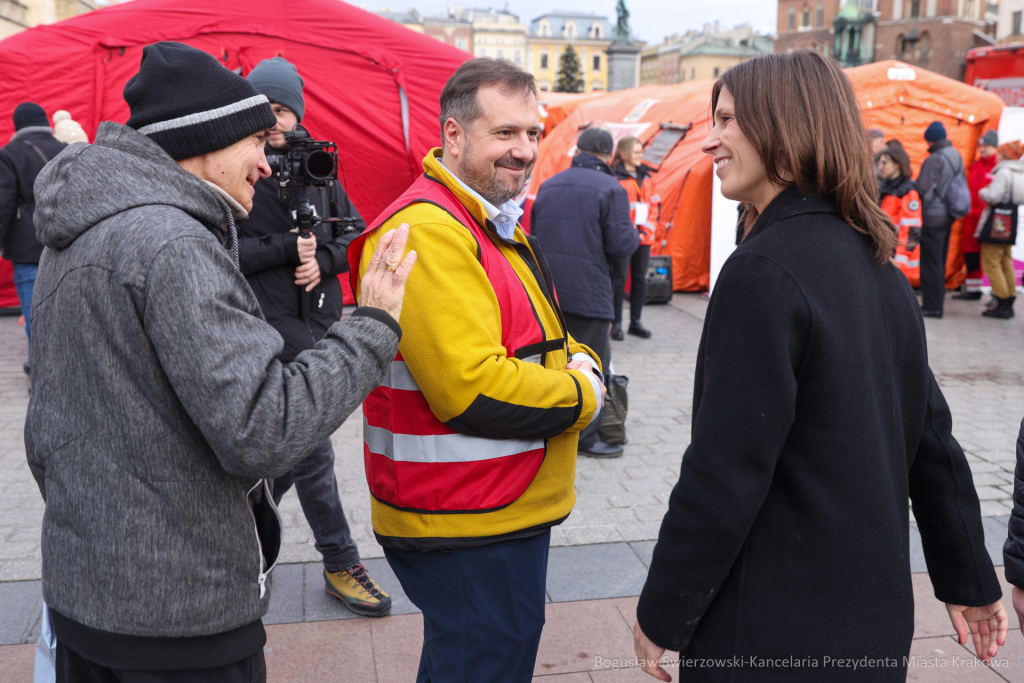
(784, 554)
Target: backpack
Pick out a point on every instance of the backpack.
(957, 196)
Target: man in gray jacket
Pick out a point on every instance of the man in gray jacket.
(937, 172)
(159, 407)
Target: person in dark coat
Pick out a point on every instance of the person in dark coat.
(1013, 548)
(281, 268)
(581, 219)
(31, 147)
(937, 172)
(815, 419)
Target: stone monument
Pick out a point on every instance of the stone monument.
(623, 53)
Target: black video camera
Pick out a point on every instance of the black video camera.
(305, 162)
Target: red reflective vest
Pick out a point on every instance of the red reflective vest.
(414, 461)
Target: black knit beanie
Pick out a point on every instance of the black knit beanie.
(186, 102)
(29, 114)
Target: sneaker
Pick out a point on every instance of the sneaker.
(931, 314)
(358, 591)
(616, 332)
(601, 449)
(27, 369)
(967, 296)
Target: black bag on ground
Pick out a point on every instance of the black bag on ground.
(616, 405)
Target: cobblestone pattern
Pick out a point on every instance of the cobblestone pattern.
(978, 362)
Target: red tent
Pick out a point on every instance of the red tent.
(370, 84)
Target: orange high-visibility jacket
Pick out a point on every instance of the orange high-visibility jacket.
(902, 204)
(641, 191)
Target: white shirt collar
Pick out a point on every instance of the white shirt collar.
(504, 217)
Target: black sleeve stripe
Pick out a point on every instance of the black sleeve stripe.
(492, 419)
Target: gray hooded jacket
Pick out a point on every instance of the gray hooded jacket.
(158, 402)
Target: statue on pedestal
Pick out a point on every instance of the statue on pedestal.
(623, 33)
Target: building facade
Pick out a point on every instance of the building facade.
(1008, 23)
(18, 15)
(698, 55)
(496, 33)
(549, 35)
(410, 19)
(932, 34)
(458, 34)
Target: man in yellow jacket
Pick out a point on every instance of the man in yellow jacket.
(470, 442)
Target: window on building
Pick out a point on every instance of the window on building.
(1016, 22)
(519, 57)
(597, 31)
(597, 62)
(501, 54)
(791, 21)
(483, 53)
(693, 73)
(717, 72)
(901, 46)
(923, 50)
(915, 9)
(820, 19)
(544, 60)
(570, 29)
(969, 9)
(460, 42)
(805, 17)
(544, 28)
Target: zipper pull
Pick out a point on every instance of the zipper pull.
(263, 585)
(320, 303)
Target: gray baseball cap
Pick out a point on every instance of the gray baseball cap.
(595, 141)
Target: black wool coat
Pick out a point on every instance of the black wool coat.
(815, 419)
(20, 163)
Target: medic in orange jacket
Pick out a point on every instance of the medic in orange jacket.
(902, 204)
(642, 199)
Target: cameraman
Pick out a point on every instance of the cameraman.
(282, 267)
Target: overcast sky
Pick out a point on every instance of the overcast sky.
(652, 20)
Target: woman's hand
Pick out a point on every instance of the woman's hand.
(648, 654)
(383, 284)
(988, 625)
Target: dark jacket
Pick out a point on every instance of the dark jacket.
(581, 218)
(20, 163)
(158, 403)
(1013, 548)
(933, 180)
(815, 418)
(897, 187)
(643, 171)
(268, 256)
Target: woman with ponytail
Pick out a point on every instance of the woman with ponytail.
(816, 419)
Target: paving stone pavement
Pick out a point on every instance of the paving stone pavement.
(978, 363)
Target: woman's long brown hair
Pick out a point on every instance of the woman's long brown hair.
(799, 112)
(624, 147)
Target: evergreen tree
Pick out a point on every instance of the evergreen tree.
(569, 79)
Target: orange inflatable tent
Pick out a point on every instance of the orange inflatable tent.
(899, 99)
(683, 178)
(555, 106)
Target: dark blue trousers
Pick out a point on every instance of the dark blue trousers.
(483, 608)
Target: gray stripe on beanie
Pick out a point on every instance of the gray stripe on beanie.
(204, 116)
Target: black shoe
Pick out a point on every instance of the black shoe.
(27, 368)
(1004, 311)
(931, 314)
(601, 449)
(967, 296)
(617, 332)
(639, 330)
(993, 302)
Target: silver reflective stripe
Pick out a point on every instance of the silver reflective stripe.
(911, 222)
(441, 448)
(535, 358)
(203, 116)
(399, 377)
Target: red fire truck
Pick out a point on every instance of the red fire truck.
(998, 69)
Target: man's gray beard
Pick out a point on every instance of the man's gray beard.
(491, 189)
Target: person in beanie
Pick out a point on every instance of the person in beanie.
(1007, 187)
(31, 147)
(978, 176)
(937, 172)
(160, 407)
(581, 219)
(281, 267)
